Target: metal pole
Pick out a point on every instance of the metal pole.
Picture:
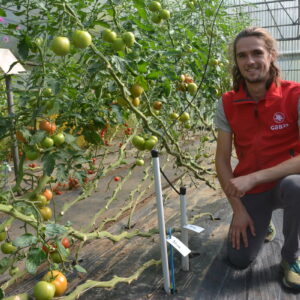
(298, 21)
(10, 104)
(161, 221)
(184, 231)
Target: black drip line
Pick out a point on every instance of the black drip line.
(170, 183)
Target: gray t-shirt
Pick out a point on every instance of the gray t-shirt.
(222, 123)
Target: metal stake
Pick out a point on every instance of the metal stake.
(184, 231)
(161, 221)
(10, 104)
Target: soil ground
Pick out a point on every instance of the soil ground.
(209, 275)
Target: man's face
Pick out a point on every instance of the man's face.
(253, 59)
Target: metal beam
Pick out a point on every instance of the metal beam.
(259, 3)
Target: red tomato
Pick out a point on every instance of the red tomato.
(65, 242)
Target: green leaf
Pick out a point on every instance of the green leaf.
(12, 26)
(155, 75)
(4, 264)
(25, 240)
(54, 229)
(49, 164)
(26, 209)
(80, 269)
(69, 138)
(37, 137)
(2, 294)
(91, 136)
(101, 23)
(35, 257)
(140, 6)
(23, 48)
(62, 249)
(2, 13)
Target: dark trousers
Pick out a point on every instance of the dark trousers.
(285, 195)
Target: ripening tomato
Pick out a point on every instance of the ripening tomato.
(59, 280)
(117, 178)
(48, 194)
(41, 200)
(46, 213)
(136, 90)
(20, 137)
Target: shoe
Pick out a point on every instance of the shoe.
(271, 233)
(291, 274)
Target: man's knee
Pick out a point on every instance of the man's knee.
(291, 183)
(239, 260)
(290, 189)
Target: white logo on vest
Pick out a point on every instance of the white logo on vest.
(278, 117)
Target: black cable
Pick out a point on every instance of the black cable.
(170, 183)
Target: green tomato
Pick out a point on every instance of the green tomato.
(58, 139)
(156, 18)
(128, 38)
(154, 6)
(61, 45)
(47, 92)
(32, 155)
(139, 162)
(174, 116)
(187, 125)
(118, 44)
(184, 117)
(8, 248)
(192, 88)
(153, 137)
(108, 35)
(138, 142)
(3, 236)
(13, 271)
(57, 258)
(44, 290)
(150, 143)
(165, 14)
(41, 200)
(82, 39)
(47, 142)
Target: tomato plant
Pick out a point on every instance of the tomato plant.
(136, 76)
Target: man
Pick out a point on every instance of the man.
(261, 115)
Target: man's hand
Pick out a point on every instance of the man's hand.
(238, 229)
(237, 187)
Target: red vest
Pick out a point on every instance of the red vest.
(265, 132)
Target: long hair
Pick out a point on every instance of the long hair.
(271, 46)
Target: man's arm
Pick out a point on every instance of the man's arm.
(241, 219)
(237, 187)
